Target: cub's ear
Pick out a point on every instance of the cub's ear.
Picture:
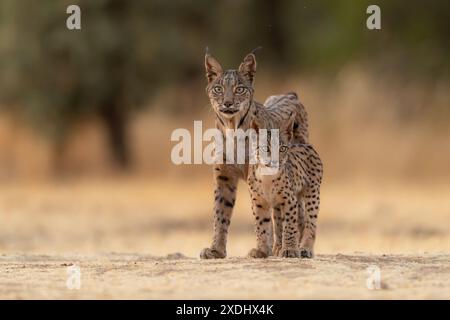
(254, 125)
(248, 67)
(287, 128)
(213, 68)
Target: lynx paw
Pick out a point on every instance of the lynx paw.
(290, 253)
(255, 253)
(209, 253)
(276, 250)
(306, 253)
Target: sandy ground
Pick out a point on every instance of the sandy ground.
(131, 239)
(116, 276)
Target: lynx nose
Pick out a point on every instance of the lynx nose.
(228, 104)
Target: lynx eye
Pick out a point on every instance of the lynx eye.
(217, 89)
(240, 90)
(283, 148)
(265, 148)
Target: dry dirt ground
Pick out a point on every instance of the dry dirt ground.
(115, 276)
(131, 239)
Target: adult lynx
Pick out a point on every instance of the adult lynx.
(231, 96)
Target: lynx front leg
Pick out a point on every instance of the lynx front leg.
(263, 229)
(224, 198)
(311, 199)
(291, 233)
(278, 226)
(278, 231)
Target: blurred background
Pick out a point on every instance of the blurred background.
(86, 117)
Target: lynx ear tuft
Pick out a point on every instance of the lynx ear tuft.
(212, 66)
(256, 50)
(248, 67)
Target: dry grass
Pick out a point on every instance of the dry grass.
(163, 216)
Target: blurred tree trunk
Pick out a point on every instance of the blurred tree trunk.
(116, 124)
(277, 41)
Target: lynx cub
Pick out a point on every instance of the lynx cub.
(295, 184)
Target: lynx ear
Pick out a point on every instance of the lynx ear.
(213, 68)
(254, 125)
(287, 128)
(248, 67)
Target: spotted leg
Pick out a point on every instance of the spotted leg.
(311, 199)
(224, 198)
(291, 234)
(278, 231)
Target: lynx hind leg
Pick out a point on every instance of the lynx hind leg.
(277, 222)
(301, 215)
(311, 198)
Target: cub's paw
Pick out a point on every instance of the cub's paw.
(306, 253)
(209, 253)
(255, 253)
(276, 250)
(290, 253)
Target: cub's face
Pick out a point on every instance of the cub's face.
(230, 92)
(272, 152)
(272, 149)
